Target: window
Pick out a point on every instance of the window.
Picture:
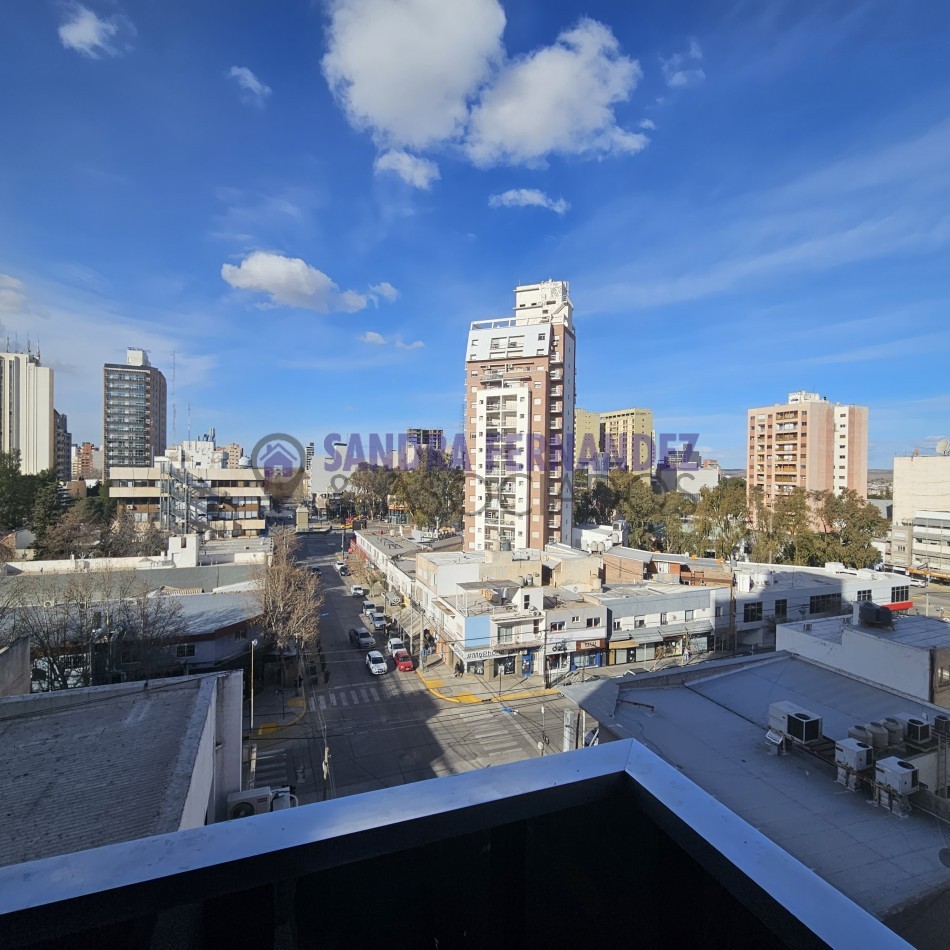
(616, 625)
(556, 626)
(781, 609)
(824, 604)
(690, 614)
(240, 635)
(719, 611)
(900, 594)
(505, 635)
(575, 619)
(185, 649)
(863, 595)
(943, 676)
(593, 621)
(752, 612)
(639, 621)
(663, 618)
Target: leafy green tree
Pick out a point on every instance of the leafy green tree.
(637, 503)
(674, 519)
(371, 486)
(433, 491)
(18, 492)
(722, 519)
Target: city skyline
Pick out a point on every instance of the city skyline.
(745, 203)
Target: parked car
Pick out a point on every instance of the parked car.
(376, 663)
(378, 620)
(315, 570)
(340, 566)
(394, 645)
(344, 571)
(357, 591)
(403, 661)
(369, 608)
(361, 637)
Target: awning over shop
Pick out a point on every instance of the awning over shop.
(900, 605)
(643, 637)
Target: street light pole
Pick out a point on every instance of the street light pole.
(253, 644)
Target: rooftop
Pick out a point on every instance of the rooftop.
(710, 721)
(89, 767)
(915, 632)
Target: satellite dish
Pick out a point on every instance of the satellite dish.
(943, 447)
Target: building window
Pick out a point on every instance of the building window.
(719, 611)
(663, 618)
(824, 604)
(690, 614)
(505, 635)
(900, 594)
(616, 625)
(781, 609)
(752, 612)
(575, 619)
(639, 621)
(556, 626)
(863, 595)
(593, 621)
(185, 649)
(943, 676)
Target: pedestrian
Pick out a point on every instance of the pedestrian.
(458, 668)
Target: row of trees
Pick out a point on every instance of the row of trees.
(807, 528)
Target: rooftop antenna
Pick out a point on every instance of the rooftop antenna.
(174, 405)
(189, 422)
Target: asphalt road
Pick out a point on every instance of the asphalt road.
(388, 730)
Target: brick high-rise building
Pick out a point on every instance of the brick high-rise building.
(807, 443)
(519, 423)
(627, 439)
(134, 413)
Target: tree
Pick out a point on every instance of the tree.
(636, 503)
(674, 517)
(849, 523)
(433, 491)
(371, 486)
(149, 624)
(77, 533)
(288, 596)
(18, 492)
(722, 519)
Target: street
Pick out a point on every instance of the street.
(390, 729)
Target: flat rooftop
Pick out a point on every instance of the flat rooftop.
(710, 722)
(89, 767)
(918, 633)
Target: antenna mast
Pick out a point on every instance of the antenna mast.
(174, 405)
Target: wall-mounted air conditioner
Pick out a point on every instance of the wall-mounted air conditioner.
(259, 801)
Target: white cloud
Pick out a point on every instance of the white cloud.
(256, 92)
(648, 124)
(681, 69)
(93, 36)
(415, 171)
(406, 71)
(558, 99)
(292, 282)
(12, 296)
(415, 345)
(527, 198)
(384, 289)
(371, 336)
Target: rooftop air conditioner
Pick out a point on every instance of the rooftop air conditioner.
(793, 721)
(896, 775)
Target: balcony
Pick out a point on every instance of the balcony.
(487, 848)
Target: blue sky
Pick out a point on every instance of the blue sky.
(307, 203)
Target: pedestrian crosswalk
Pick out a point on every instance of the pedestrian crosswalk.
(271, 768)
(348, 696)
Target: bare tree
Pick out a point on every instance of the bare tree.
(288, 596)
(148, 624)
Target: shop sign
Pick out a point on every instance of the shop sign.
(473, 655)
(590, 644)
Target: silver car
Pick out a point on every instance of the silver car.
(376, 663)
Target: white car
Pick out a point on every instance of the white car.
(340, 565)
(357, 591)
(376, 663)
(394, 645)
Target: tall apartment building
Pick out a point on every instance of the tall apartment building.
(86, 461)
(519, 423)
(627, 439)
(62, 444)
(586, 436)
(807, 443)
(134, 410)
(26, 411)
(234, 453)
(426, 438)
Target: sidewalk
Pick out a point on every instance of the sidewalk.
(274, 708)
(469, 688)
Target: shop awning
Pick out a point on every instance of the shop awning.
(643, 637)
(900, 605)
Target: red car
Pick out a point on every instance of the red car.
(403, 661)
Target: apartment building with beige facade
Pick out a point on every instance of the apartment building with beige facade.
(808, 443)
(627, 439)
(519, 423)
(26, 411)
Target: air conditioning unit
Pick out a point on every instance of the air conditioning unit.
(259, 801)
(853, 754)
(796, 723)
(896, 775)
(916, 731)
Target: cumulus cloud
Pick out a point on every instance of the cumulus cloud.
(557, 99)
(255, 92)
(93, 36)
(406, 71)
(682, 69)
(415, 171)
(377, 339)
(384, 289)
(527, 198)
(291, 282)
(648, 124)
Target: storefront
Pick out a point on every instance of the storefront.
(567, 655)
